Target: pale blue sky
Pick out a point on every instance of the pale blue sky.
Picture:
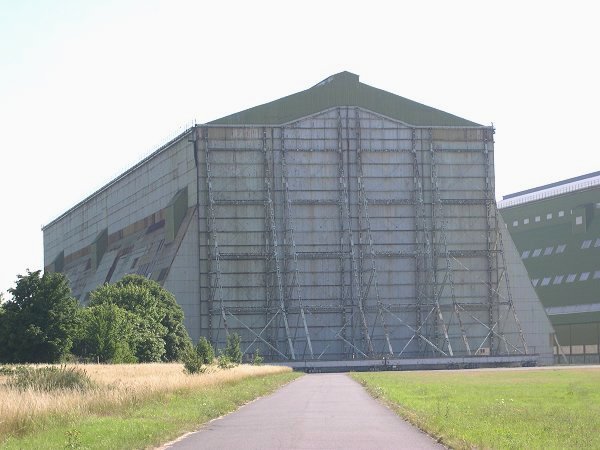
(87, 88)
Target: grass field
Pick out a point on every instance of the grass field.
(132, 406)
(497, 408)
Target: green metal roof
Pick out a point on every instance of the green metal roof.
(343, 89)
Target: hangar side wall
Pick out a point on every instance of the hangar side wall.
(127, 226)
(182, 280)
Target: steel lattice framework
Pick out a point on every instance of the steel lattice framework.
(349, 235)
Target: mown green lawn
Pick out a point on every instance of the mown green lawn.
(152, 422)
(551, 408)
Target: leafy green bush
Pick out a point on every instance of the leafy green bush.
(224, 362)
(107, 334)
(205, 351)
(50, 378)
(195, 358)
(192, 362)
(232, 348)
(158, 328)
(257, 359)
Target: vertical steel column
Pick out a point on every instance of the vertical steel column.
(199, 246)
(363, 208)
(421, 236)
(291, 242)
(268, 274)
(436, 290)
(432, 255)
(214, 258)
(356, 276)
(275, 255)
(362, 290)
(449, 275)
(342, 260)
(490, 220)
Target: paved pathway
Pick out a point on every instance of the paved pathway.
(319, 411)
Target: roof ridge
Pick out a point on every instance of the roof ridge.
(343, 89)
(344, 75)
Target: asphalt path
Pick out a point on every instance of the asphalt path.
(318, 411)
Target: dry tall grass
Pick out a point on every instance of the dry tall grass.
(119, 386)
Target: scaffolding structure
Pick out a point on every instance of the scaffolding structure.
(348, 235)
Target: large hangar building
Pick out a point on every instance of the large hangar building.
(341, 225)
(556, 229)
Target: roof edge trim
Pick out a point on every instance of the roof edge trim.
(552, 185)
(577, 184)
(378, 114)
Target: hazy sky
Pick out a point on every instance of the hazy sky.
(89, 87)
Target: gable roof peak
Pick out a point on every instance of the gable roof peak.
(344, 76)
(343, 89)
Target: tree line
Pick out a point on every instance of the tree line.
(132, 320)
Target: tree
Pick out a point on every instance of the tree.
(205, 351)
(159, 328)
(192, 363)
(257, 359)
(232, 348)
(107, 334)
(38, 323)
(197, 358)
(177, 340)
